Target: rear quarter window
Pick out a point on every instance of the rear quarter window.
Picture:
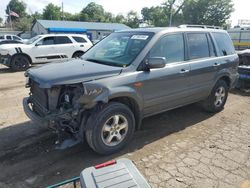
(224, 43)
(79, 39)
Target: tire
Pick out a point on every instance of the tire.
(216, 104)
(104, 141)
(19, 63)
(77, 54)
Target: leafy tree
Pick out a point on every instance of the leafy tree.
(52, 12)
(36, 16)
(23, 24)
(18, 7)
(155, 16)
(119, 19)
(213, 12)
(132, 19)
(93, 12)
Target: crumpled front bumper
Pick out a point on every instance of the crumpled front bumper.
(32, 115)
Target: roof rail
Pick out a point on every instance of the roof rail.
(200, 26)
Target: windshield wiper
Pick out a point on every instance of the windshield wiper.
(104, 62)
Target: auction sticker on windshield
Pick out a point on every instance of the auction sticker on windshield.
(139, 37)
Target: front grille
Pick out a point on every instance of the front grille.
(39, 98)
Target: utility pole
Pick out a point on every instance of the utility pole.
(171, 17)
(171, 13)
(62, 12)
(10, 18)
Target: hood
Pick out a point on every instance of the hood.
(12, 46)
(70, 72)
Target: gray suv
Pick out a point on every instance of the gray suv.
(104, 95)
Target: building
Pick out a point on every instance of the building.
(94, 30)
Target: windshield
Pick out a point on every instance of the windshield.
(30, 41)
(118, 49)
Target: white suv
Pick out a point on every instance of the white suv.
(44, 49)
(10, 37)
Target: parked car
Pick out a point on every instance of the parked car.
(10, 37)
(104, 96)
(11, 42)
(44, 49)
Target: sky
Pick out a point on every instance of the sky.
(118, 6)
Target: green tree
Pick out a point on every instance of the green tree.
(52, 12)
(132, 19)
(119, 19)
(212, 12)
(18, 7)
(36, 16)
(155, 16)
(93, 12)
(23, 24)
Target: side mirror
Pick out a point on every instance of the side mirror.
(37, 44)
(156, 62)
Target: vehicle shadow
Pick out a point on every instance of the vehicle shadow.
(31, 150)
(5, 70)
(242, 92)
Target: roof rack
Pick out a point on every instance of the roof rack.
(200, 26)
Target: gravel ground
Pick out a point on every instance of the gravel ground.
(185, 147)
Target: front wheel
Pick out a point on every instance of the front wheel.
(110, 128)
(217, 98)
(20, 63)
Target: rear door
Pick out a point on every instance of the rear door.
(64, 47)
(167, 87)
(203, 63)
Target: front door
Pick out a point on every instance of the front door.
(167, 87)
(44, 50)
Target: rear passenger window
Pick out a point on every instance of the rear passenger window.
(198, 45)
(8, 37)
(171, 47)
(62, 40)
(224, 44)
(79, 39)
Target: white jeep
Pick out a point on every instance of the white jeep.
(44, 49)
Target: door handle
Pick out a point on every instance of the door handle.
(82, 45)
(216, 64)
(183, 71)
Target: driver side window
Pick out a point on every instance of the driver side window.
(171, 47)
(46, 41)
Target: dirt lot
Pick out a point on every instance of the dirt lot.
(185, 147)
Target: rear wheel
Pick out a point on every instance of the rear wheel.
(20, 63)
(77, 54)
(217, 98)
(110, 128)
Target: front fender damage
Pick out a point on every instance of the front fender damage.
(70, 122)
(93, 94)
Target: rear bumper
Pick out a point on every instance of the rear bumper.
(32, 115)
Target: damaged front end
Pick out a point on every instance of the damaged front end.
(63, 108)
